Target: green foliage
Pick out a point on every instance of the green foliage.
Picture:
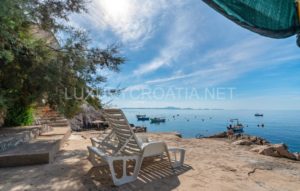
(2, 102)
(19, 116)
(36, 64)
(95, 102)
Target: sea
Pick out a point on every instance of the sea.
(275, 126)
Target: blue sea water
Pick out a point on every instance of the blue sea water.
(279, 126)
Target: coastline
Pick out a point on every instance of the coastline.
(279, 126)
(259, 145)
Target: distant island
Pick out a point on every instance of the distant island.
(172, 108)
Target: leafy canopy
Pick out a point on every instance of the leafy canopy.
(36, 64)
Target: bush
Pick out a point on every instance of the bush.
(18, 116)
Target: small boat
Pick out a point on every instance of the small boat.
(258, 115)
(142, 118)
(235, 126)
(138, 129)
(157, 120)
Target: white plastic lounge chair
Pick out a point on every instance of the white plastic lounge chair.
(123, 145)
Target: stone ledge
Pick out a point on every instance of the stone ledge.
(39, 151)
(12, 137)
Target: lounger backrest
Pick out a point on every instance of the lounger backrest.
(128, 142)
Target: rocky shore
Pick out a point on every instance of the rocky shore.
(259, 145)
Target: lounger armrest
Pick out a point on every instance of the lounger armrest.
(143, 138)
(95, 141)
(154, 148)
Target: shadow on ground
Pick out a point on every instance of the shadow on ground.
(72, 171)
(155, 174)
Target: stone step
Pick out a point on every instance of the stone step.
(64, 122)
(59, 124)
(52, 119)
(57, 131)
(53, 122)
(39, 151)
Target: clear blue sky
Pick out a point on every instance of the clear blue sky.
(185, 45)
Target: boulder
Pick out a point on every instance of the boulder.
(297, 156)
(85, 117)
(242, 142)
(265, 150)
(253, 138)
(282, 150)
(275, 150)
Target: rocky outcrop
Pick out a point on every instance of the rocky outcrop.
(242, 142)
(84, 119)
(241, 139)
(248, 140)
(276, 150)
(260, 145)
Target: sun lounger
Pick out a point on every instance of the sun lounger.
(123, 145)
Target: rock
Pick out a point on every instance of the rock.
(236, 136)
(265, 150)
(258, 142)
(85, 117)
(242, 142)
(178, 135)
(275, 150)
(253, 139)
(297, 156)
(282, 150)
(265, 142)
(220, 135)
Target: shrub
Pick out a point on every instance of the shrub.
(18, 116)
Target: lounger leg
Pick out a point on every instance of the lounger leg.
(182, 155)
(169, 158)
(92, 158)
(125, 178)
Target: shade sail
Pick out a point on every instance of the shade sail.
(271, 18)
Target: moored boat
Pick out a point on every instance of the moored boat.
(142, 118)
(157, 120)
(236, 126)
(258, 115)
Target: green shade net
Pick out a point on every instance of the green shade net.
(272, 18)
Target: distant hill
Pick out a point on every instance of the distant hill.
(171, 108)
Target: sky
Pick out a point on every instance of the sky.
(185, 54)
